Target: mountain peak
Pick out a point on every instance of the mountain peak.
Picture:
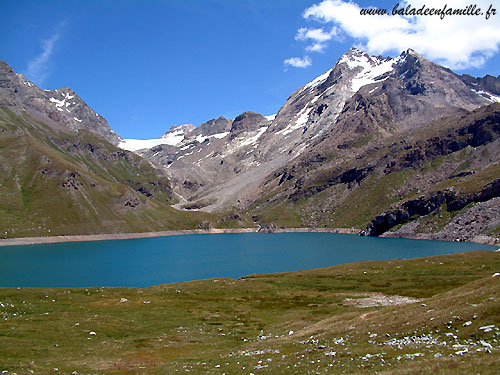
(356, 58)
(411, 52)
(354, 54)
(184, 129)
(247, 121)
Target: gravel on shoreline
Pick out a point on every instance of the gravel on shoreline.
(485, 240)
(124, 236)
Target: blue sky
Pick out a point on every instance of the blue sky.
(148, 65)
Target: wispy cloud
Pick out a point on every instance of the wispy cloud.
(39, 68)
(319, 37)
(458, 42)
(297, 62)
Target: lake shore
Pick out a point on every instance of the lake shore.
(481, 239)
(126, 236)
(485, 240)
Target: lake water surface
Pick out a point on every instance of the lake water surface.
(152, 261)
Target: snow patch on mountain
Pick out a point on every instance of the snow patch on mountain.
(317, 81)
(175, 136)
(488, 96)
(218, 135)
(253, 139)
(301, 118)
(172, 139)
(63, 103)
(202, 138)
(371, 68)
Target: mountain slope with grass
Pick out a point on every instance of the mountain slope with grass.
(58, 180)
(441, 182)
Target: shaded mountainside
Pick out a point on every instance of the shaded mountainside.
(56, 107)
(59, 183)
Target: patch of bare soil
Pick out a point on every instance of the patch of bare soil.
(379, 300)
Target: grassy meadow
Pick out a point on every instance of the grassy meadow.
(330, 320)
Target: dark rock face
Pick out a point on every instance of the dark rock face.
(247, 121)
(421, 207)
(353, 175)
(428, 204)
(349, 177)
(473, 133)
(486, 83)
(71, 181)
(63, 106)
(211, 127)
(415, 92)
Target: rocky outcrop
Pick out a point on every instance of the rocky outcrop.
(425, 205)
(476, 129)
(406, 212)
(211, 127)
(247, 122)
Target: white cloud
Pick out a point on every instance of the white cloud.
(316, 47)
(455, 41)
(297, 62)
(38, 68)
(318, 36)
(320, 39)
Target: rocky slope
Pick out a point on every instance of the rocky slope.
(361, 96)
(414, 184)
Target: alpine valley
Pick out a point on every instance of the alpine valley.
(380, 146)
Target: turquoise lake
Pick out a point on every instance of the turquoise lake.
(152, 261)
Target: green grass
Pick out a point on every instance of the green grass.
(243, 325)
(283, 215)
(475, 182)
(368, 200)
(36, 162)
